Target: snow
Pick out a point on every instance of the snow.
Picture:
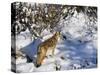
(25, 67)
(23, 39)
(68, 55)
(75, 51)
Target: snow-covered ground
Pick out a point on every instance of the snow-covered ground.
(69, 55)
(75, 50)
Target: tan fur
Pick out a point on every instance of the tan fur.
(47, 45)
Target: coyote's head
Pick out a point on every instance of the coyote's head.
(57, 34)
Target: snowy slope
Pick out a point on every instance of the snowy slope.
(68, 55)
(74, 51)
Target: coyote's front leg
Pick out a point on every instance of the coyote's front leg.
(53, 50)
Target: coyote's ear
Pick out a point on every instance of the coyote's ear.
(57, 33)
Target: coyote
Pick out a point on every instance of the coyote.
(45, 47)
